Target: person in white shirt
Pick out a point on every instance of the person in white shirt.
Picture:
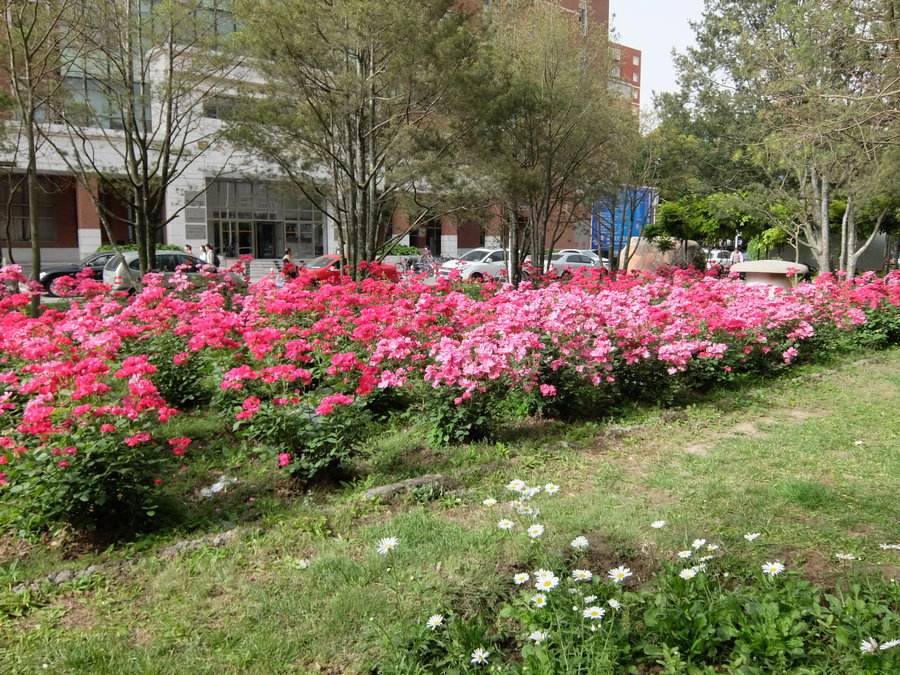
(737, 256)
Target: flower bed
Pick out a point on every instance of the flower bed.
(302, 371)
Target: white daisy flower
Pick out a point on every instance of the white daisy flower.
(619, 574)
(547, 583)
(435, 621)
(773, 569)
(387, 545)
(658, 524)
(701, 567)
(530, 492)
(582, 575)
(521, 578)
(542, 573)
(594, 613)
(539, 600)
(535, 531)
(890, 644)
(615, 604)
(506, 524)
(698, 543)
(712, 547)
(480, 656)
(868, 646)
(302, 563)
(706, 558)
(688, 573)
(537, 636)
(845, 556)
(551, 488)
(490, 501)
(516, 485)
(684, 555)
(526, 510)
(590, 598)
(750, 536)
(579, 543)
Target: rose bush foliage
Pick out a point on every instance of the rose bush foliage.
(302, 370)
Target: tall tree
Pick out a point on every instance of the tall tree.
(134, 115)
(812, 83)
(36, 47)
(547, 132)
(347, 106)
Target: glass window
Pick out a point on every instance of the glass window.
(474, 256)
(636, 60)
(497, 256)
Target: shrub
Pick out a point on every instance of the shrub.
(93, 477)
(306, 441)
(182, 376)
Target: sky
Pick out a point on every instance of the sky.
(656, 27)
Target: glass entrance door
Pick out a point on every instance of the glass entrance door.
(269, 240)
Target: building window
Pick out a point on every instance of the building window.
(262, 219)
(616, 53)
(635, 77)
(18, 213)
(636, 60)
(635, 94)
(615, 72)
(218, 107)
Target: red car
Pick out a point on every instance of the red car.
(327, 269)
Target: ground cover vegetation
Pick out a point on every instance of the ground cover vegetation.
(102, 400)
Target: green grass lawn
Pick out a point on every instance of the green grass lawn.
(812, 463)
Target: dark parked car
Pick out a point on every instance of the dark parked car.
(52, 274)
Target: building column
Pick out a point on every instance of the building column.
(449, 237)
(90, 235)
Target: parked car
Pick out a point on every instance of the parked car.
(566, 263)
(327, 269)
(116, 271)
(593, 255)
(52, 275)
(718, 256)
(477, 265)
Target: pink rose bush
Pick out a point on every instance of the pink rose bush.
(303, 371)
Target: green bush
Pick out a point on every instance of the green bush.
(112, 485)
(452, 420)
(182, 376)
(315, 444)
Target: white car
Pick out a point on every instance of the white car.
(122, 272)
(477, 265)
(718, 256)
(583, 251)
(567, 262)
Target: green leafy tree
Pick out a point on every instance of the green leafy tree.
(346, 102)
(545, 131)
(35, 48)
(138, 80)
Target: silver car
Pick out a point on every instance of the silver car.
(568, 263)
(122, 272)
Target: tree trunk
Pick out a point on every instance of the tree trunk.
(31, 188)
(846, 246)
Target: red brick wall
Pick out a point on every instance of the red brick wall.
(629, 71)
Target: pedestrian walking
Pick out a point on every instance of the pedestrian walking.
(737, 256)
(288, 268)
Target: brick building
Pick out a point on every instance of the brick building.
(223, 204)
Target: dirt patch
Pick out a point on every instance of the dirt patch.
(748, 429)
(77, 615)
(604, 555)
(698, 449)
(801, 415)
